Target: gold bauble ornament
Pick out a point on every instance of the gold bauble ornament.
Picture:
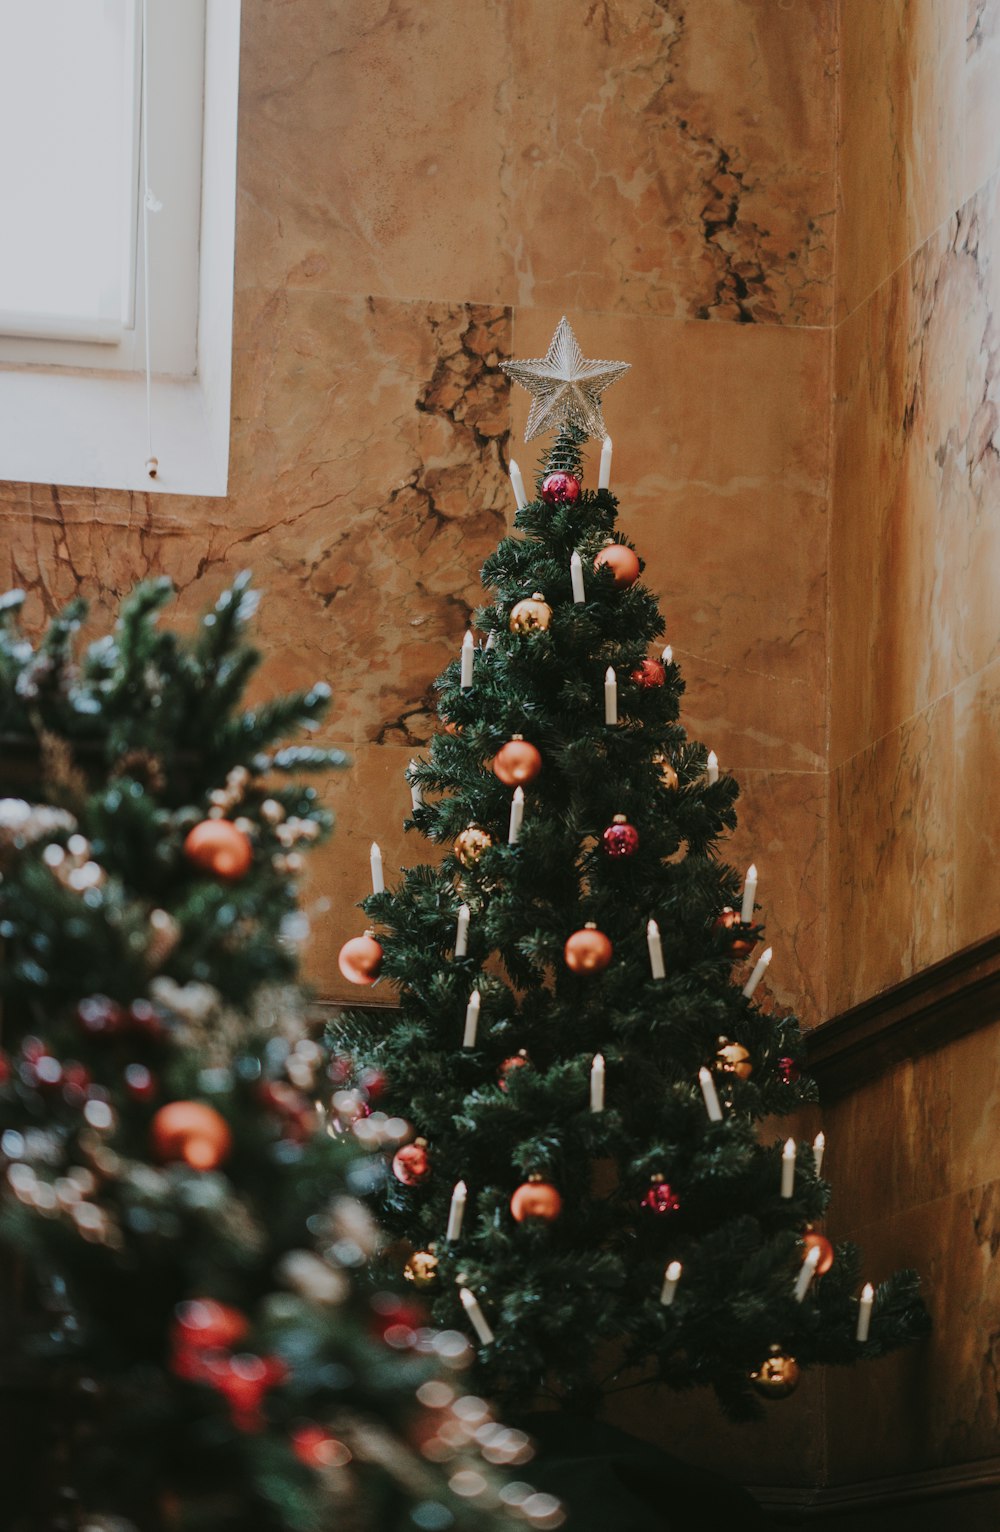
(733, 1059)
(532, 615)
(777, 1376)
(668, 775)
(813, 1241)
(471, 845)
(421, 1268)
(588, 951)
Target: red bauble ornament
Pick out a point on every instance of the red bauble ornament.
(411, 1164)
(314, 1446)
(819, 1242)
(100, 1016)
(360, 959)
(372, 1082)
(216, 846)
(622, 562)
(536, 1199)
(6, 1069)
(204, 1325)
(788, 1070)
(620, 838)
(516, 1061)
(734, 935)
(517, 762)
(660, 1198)
(649, 673)
(588, 951)
(243, 1380)
(139, 1082)
(560, 489)
(193, 1132)
(454, 729)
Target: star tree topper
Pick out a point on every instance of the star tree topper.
(566, 390)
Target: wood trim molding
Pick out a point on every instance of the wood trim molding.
(796, 1505)
(943, 1002)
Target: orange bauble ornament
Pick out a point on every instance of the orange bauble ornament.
(536, 1199)
(517, 762)
(777, 1376)
(668, 775)
(588, 951)
(733, 934)
(472, 844)
(192, 1132)
(411, 1164)
(622, 562)
(733, 1059)
(218, 847)
(819, 1242)
(360, 959)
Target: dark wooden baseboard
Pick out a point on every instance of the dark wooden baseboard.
(955, 996)
(800, 1506)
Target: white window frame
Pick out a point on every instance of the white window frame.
(74, 411)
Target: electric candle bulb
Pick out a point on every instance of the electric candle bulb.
(597, 1083)
(749, 894)
(667, 656)
(604, 476)
(807, 1272)
(865, 1312)
(491, 641)
(760, 968)
(457, 1210)
(516, 816)
(610, 696)
(671, 1277)
(655, 945)
(471, 1020)
(468, 655)
(462, 931)
(819, 1146)
(788, 1168)
(712, 767)
(416, 792)
(576, 578)
(477, 1318)
(517, 485)
(710, 1094)
(378, 877)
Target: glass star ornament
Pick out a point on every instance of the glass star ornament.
(565, 389)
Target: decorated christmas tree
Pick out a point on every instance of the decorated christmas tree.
(580, 1041)
(184, 1340)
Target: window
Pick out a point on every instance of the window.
(78, 149)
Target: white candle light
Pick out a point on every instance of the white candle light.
(468, 655)
(604, 477)
(760, 968)
(671, 1277)
(668, 655)
(416, 792)
(517, 485)
(865, 1312)
(610, 696)
(597, 1083)
(457, 1210)
(471, 1020)
(655, 945)
(516, 816)
(576, 578)
(378, 877)
(462, 931)
(749, 894)
(806, 1273)
(477, 1318)
(788, 1168)
(712, 767)
(710, 1094)
(819, 1147)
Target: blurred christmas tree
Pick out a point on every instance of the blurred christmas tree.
(580, 1043)
(183, 1341)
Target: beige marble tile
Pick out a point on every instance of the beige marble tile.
(372, 140)
(892, 837)
(977, 814)
(674, 159)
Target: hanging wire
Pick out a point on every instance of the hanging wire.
(149, 205)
